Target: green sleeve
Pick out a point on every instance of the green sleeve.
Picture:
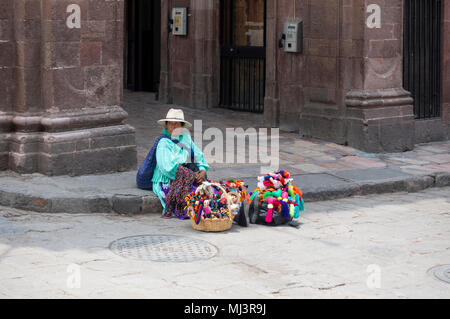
(199, 158)
(168, 157)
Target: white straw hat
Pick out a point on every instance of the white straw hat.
(175, 115)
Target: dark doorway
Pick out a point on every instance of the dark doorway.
(422, 56)
(144, 42)
(243, 55)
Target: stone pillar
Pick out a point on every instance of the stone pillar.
(272, 98)
(206, 56)
(190, 65)
(66, 115)
(7, 85)
(379, 115)
(331, 43)
(164, 93)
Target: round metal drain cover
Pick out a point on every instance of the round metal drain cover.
(441, 272)
(163, 248)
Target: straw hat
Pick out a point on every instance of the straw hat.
(175, 115)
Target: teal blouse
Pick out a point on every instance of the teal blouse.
(168, 156)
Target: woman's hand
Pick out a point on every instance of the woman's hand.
(200, 177)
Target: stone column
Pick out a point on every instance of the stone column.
(379, 115)
(190, 65)
(272, 98)
(7, 84)
(67, 114)
(205, 25)
(164, 79)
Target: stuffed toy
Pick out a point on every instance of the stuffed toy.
(270, 206)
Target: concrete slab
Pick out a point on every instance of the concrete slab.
(371, 174)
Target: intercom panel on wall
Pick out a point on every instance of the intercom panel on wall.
(179, 17)
(294, 36)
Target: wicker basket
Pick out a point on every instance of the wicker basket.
(215, 224)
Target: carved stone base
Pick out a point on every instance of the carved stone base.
(87, 141)
(373, 121)
(87, 151)
(380, 120)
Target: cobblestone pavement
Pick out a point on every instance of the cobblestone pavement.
(297, 155)
(361, 247)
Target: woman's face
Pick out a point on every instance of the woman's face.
(172, 128)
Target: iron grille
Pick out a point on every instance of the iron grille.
(242, 67)
(422, 55)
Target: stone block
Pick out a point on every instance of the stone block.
(65, 88)
(57, 31)
(127, 204)
(28, 85)
(6, 9)
(7, 50)
(7, 86)
(102, 10)
(91, 53)
(28, 54)
(62, 54)
(94, 31)
(322, 71)
(28, 30)
(103, 85)
(6, 30)
(430, 130)
(23, 163)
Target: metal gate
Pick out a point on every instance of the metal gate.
(242, 66)
(422, 55)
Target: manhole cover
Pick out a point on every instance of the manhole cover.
(163, 248)
(441, 272)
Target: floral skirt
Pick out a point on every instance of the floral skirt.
(175, 192)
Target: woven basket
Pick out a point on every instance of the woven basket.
(215, 224)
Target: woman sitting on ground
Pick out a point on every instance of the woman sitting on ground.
(180, 165)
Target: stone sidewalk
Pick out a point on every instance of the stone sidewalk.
(322, 170)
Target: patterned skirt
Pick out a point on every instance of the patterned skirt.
(175, 192)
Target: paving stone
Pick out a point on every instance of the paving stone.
(410, 160)
(439, 159)
(418, 170)
(363, 162)
(439, 168)
(444, 148)
(371, 174)
(310, 168)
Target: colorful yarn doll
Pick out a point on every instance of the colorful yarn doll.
(206, 209)
(270, 207)
(284, 204)
(261, 183)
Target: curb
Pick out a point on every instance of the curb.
(117, 203)
(150, 204)
(411, 185)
